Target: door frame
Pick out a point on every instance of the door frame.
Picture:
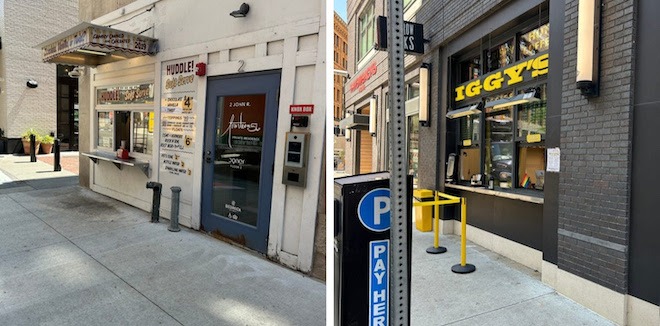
(257, 236)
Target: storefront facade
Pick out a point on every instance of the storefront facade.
(210, 111)
(568, 196)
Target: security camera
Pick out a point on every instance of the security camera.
(76, 72)
(32, 83)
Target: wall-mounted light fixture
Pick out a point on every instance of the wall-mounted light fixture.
(347, 132)
(91, 52)
(424, 94)
(373, 108)
(464, 111)
(531, 95)
(588, 47)
(31, 83)
(241, 12)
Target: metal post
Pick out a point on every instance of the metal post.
(155, 203)
(174, 219)
(436, 249)
(56, 153)
(33, 150)
(463, 267)
(399, 262)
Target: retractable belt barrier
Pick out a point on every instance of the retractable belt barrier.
(440, 199)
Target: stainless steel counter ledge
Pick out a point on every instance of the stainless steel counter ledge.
(503, 194)
(118, 162)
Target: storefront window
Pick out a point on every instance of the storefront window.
(366, 31)
(143, 132)
(534, 41)
(105, 130)
(499, 56)
(469, 161)
(531, 126)
(499, 145)
(413, 147)
(469, 69)
(135, 128)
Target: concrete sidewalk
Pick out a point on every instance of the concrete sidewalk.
(499, 292)
(69, 256)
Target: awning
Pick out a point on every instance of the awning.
(355, 121)
(464, 111)
(90, 45)
(523, 98)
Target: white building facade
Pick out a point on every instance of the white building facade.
(210, 111)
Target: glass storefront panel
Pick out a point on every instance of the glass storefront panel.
(499, 145)
(413, 147)
(105, 129)
(143, 132)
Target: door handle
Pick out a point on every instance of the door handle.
(207, 156)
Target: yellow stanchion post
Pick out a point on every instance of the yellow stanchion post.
(436, 249)
(463, 267)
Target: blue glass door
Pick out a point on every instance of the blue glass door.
(239, 149)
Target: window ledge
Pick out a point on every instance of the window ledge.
(499, 193)
(118, 162)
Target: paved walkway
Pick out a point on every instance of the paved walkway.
(70, 256)
(499, 292)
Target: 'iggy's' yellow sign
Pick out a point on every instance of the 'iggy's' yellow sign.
(505, 77)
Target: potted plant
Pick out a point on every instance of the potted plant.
(25, 137)
(47, 142)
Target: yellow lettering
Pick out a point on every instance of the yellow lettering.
(515, 73)
(459, 93)
(493, 82)
(473, 88)
(540, 66)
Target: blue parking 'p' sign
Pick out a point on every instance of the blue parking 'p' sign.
(374, 210)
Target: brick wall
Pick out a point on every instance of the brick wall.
(594, 183)
(28, 23)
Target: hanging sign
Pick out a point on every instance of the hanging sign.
(413, 36)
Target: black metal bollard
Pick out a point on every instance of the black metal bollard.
(155, 204)
(174, 219)
(56, 153)
(33, 152)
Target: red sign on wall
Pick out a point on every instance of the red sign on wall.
(361, 79)
(301, 109)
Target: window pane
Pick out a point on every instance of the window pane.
(535, 41)
(470, 128)
(531, 167)
(105, 129)
(499, 56)
(413, 147)
(469, 69)
(531, 117)
(143, 132)
(366, 30)
(499, 146)
(469, 163)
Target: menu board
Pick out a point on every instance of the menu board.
(178, 113)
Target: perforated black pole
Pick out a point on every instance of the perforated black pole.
(399, 262)
(56, 153)
(33, 151)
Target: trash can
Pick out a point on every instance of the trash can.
(424, 215)
(362, 248)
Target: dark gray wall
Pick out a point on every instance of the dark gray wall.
(596, 135)
(553, 123)
(644, 221)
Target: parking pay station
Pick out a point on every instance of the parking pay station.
(362, 249)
